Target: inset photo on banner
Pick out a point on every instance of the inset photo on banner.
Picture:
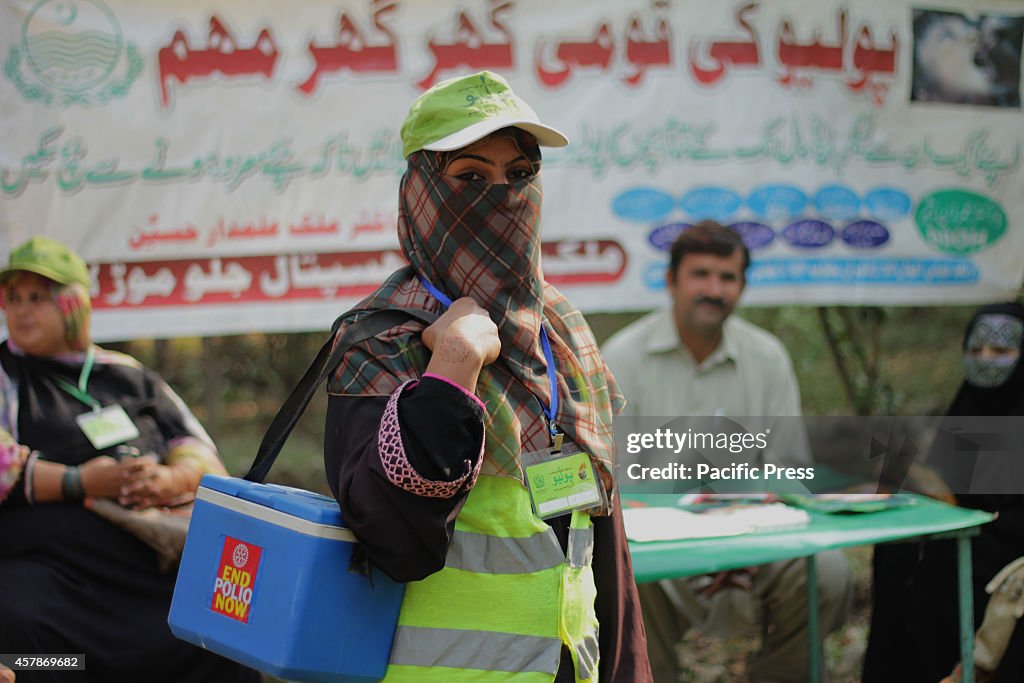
(961, 59)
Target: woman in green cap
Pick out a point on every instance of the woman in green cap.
(444, 441)
(70, 581)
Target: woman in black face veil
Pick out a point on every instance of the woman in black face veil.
(914, 625)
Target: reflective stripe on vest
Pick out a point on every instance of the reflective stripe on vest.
(581, 547)
(487, 650)
(507, 601)
(587, 655)
(496, 555)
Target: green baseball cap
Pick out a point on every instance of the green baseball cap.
(49, 258)
(460, 111)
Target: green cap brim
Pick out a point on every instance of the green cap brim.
(48, 273)
(546, 135)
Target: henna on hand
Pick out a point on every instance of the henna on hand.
(453, 349)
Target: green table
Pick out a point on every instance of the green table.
(924, 519)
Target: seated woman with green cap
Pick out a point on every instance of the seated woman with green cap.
(72, 582)
(443, 442)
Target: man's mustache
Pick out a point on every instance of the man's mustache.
(710, 300)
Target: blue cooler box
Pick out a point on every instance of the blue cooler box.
(265, 580)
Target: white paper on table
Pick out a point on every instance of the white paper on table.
(771, 517)
(670, 524)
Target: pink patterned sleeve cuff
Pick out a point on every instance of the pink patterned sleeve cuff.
(397, 467)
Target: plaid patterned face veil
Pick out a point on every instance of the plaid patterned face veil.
(482, 241)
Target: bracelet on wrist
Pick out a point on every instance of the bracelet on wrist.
(71, 484)
(30, 477)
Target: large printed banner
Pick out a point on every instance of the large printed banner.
(229, 165)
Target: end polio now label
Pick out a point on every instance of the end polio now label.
(236, 575)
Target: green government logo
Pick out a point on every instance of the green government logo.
(960, 222)
(72, 52)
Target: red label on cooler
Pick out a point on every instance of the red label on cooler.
(236, 575)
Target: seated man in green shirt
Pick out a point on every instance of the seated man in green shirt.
(695, 359)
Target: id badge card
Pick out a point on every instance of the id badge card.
(107, 426)
(562, 481)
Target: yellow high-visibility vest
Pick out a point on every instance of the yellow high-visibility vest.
(506, 602)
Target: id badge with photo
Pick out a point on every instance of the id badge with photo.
(108, 426)
(561, 481)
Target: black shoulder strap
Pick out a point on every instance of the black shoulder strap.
(367, 327)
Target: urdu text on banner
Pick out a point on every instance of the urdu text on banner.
(233, 166)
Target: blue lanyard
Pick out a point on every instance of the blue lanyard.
(549, 411)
